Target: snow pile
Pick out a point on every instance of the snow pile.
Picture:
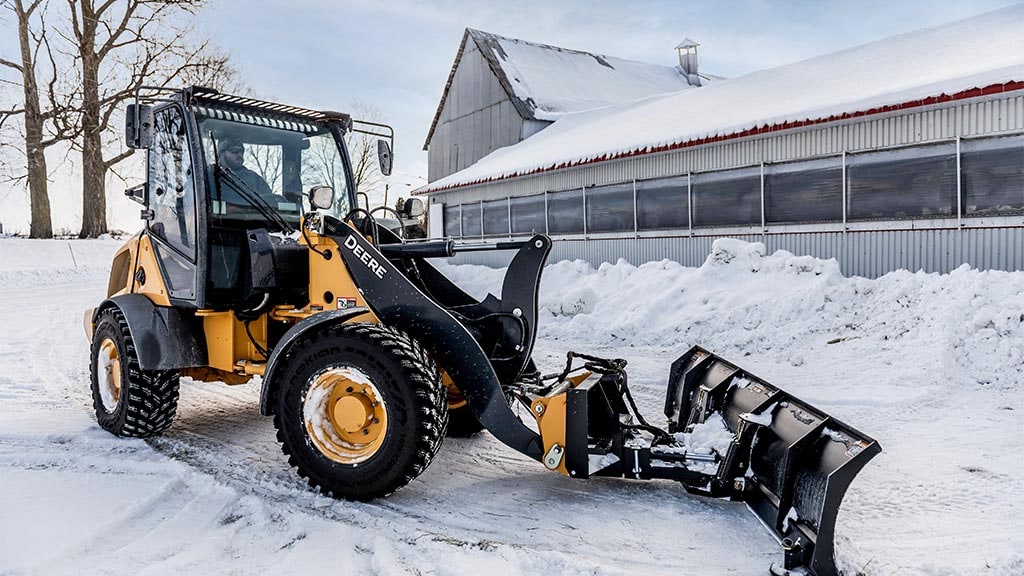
(742, 301)
(975, 53)
(28, 263)
(709, 437)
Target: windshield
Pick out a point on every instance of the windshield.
(260, 170)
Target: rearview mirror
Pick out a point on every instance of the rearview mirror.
(384, 157)
(321, 197)
(138, 126)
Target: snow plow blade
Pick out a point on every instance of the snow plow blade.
(790, 462)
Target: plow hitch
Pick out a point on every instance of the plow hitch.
(730, 435)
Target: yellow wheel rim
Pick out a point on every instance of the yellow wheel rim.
(108, 368)
(345, 415)
(455, 398)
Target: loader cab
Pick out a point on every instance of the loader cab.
(227, 185)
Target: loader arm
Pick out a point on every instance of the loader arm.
(505, 328)
(396, 301)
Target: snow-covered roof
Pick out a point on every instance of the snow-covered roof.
(545, 82)
(984, 54)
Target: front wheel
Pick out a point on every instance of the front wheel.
(361, 410)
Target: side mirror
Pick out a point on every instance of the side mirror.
(384, 157)
(138, 126)
(414, 208)
(321, 197)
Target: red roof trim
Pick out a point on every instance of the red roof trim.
(759, 130)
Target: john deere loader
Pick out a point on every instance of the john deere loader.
(255, 259)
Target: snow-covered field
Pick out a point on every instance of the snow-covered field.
(930, 365)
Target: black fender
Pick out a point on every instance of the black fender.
(166, 338)
(399, 303)
(269, 391)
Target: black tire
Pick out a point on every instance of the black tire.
(147, 400)
(411, 390)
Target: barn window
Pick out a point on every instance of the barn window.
(610, 208)
(496, 217)
(528, 215)
(471, 219)
(565, 212)
(993, 176)
(909, 183)
(804, 191)
(730, 198)
(453, 220)
(662, 203)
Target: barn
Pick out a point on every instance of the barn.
(907, 152)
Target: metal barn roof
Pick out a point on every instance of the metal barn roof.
(545, 82)
(965, 59)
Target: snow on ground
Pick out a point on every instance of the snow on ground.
(928, 364)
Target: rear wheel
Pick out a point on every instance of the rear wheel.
(128, 400)
(360, 411)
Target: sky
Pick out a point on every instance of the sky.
(395, 55)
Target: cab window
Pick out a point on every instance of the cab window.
(172, 188)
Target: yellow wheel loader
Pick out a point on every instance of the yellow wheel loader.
(256, 260)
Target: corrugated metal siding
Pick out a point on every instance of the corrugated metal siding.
(868, 253)
(970, 118)
(477, 118)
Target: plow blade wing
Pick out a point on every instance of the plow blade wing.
(790, 462)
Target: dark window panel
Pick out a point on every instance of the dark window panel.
(610, 208)
(911, 183)
(993, 176)
(733, 200)
(565, 212)
(528, 215)
(662, 203)
(496, 217)
(805, 192)
(471, 219)
(453, 220)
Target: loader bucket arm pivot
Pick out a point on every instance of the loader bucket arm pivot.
(506, 328)
(789, 462)
(399, 303)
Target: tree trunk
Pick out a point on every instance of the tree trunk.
(94, 169)
(35, 154)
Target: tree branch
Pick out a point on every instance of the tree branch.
(76, 27)
(118, 158)
(10, 64)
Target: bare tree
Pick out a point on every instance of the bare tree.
(362, 150)
(43, 127)
(323, 161)
(127, 44)
(267, 162)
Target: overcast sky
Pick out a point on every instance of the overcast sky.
(396, 55)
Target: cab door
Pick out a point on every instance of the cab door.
(172, 198)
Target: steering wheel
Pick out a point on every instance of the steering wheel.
(398, 215)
